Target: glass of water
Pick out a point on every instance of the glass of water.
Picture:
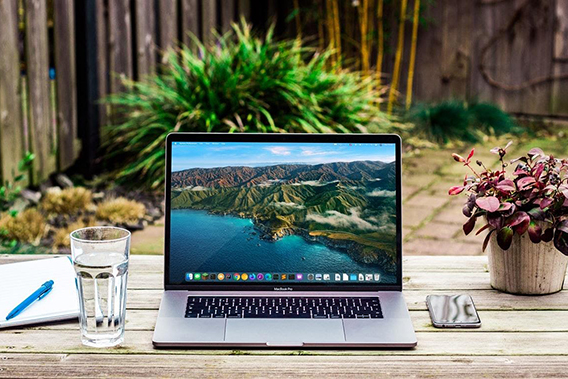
(100, 257)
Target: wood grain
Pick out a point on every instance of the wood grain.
(227, 15)
(42, 138)
(93, 365)
(120, 44)
(11, 131)
(208, 21)
(520, 336)
(145, 37)
(168, 24)
(66, 83)
(190, 22)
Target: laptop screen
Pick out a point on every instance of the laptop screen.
(282, 213)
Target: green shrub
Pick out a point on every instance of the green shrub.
(243, 84)
(459, 121)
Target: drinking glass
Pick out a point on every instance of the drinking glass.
(100, 257)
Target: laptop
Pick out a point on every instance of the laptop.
(283, 240)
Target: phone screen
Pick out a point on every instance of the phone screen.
(452, 309)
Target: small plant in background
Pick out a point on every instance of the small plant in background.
(61, 237)
(66, 201)
(11, 190)
(120, 211)
(532, 199)
(458, 121)
(243, 84)
(28, 226)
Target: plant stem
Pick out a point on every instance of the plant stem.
(412, 53)
(380, 42)
(337, 31)
(398, 57)
(297, 18)
(363, 27)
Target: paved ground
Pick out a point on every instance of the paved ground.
(432, 220)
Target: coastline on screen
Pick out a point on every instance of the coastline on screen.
(295, 212)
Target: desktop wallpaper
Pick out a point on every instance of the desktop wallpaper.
(283, 212)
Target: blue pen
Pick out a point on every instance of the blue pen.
(38, 294)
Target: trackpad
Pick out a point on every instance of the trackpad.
(284, 330)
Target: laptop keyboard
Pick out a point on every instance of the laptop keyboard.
(283, 307)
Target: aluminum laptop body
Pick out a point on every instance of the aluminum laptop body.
(289, 219)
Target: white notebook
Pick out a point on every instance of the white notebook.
(19, 280)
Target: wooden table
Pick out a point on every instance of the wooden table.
(520, 336)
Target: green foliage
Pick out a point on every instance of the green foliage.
(459, 121)
(10, 191)
(532, 198)
(243, 84)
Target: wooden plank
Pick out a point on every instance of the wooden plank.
(428, 80)
(208, 21)
(167, 365)
(462, 342)
(145, 38)
(227, 15)
(11, 128)
(167, 27)
(243, 9)
(492, 321)
(190, 22)
(42, 140)
(64, 33)
(120, 44)
(415, 300)
(559, 100)
(103, 75)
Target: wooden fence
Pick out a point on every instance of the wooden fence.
(59, 58)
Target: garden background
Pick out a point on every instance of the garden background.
(78, 79)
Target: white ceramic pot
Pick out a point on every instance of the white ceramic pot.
(526, 268)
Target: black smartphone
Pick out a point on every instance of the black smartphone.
(452, 311)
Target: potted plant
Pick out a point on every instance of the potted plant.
(525, 214)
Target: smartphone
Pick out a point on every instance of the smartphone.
(452, 311)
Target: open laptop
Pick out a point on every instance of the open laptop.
(277, 240)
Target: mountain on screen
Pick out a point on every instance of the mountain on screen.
(350, 206)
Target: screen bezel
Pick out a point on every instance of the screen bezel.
(283, 138)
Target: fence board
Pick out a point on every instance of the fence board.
(227, 14)
(42, 140)
(11, 131)
(168, 26)
(243, 8)
(145, 37)
(102, 58)
(120, 43)
(208, 20)
(189, 21)
(64, 33)
(559, 99)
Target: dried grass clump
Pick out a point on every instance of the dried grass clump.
(120, 211)
(61, 237)
(28, 226)
(67, 201)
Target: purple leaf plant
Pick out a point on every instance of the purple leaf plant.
(532, 199)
